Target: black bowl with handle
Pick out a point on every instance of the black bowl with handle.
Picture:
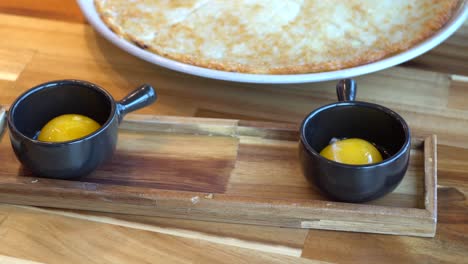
(79, 157)
(353, 119)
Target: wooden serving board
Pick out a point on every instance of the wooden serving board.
(228, 171)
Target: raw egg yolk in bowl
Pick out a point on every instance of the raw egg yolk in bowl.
(353, 151)
(67, 127)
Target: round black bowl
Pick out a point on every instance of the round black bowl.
(353, 119)
(75, 158)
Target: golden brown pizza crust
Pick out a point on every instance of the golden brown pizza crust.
(338, 58)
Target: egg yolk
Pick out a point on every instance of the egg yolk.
(352, 151)
(67, 127)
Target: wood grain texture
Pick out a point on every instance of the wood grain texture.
(167, 161)
(449, 57)
(52, 9)
(431, 101)
(430, 183)
(92, 242)
(450, 245)
(289, 238)
(11, 260)
(158, 154)
(264, 246)
(13, 62)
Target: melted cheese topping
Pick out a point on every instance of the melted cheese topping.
(275, 36)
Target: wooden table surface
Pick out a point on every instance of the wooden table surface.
(50, 39)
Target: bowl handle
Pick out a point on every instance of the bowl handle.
(141, 97)
(346, 90)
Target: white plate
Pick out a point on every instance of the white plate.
(452, 25)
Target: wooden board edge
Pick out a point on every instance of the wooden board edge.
(430, 177)
(419, 230)
(403, 221)
(241, 210)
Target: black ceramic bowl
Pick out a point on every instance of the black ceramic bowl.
(64, 160)
(353, 119)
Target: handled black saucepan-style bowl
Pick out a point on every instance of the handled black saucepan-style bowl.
(75, 158)
(353, 119)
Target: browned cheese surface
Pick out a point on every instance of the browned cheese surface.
(275, 36)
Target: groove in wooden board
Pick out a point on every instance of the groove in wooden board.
(458, 92)
(95, 242)
(288, 237)
(12, 260)
(228, 241)
(13, 62)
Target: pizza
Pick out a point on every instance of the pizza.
(275, 36)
